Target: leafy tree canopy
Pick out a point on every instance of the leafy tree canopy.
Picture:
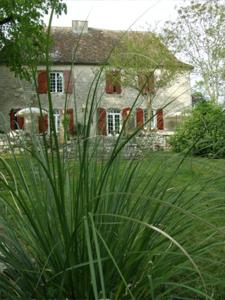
(22, 36)
(198, 35)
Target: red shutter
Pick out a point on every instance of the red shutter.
(43, 124)
(117, 82)
(160, 122)
(69, 111)
(16, 122)
(12, 119)
(125, 113)
(139, 117)
(68, 82)
(109, 82)
(20, 122)
(101, 121)
(42, 82)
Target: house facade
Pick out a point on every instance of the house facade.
(79, 64)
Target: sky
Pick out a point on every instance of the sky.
(119, 14)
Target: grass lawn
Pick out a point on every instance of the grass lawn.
(196, 176)
(196, 173)
(183, 197)
(193, 171)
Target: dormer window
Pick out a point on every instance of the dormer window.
(113, 82)
(56, 82)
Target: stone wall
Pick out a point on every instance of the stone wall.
(4, 145)
(135, 148)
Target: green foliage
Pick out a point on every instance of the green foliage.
(203, 132)
(198, 35)
(22, 36)
(197, 97)
(144, 53)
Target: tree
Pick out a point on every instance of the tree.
(203, 132)
(146, 65)
(198, 35)
(22, 34)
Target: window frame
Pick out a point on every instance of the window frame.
(113, 112)
(56, 88)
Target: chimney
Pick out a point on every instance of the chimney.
(80, 26)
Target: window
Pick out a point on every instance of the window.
(57, 119)
(113, 121)
(56, 82)
(153, 120)
(60, 82)
(113, 82)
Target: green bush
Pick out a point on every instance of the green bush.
(203, 133)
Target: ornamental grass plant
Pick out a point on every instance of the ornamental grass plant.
(93, 228)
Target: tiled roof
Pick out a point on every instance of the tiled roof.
(93, 47)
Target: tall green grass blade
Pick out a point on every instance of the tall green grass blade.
(91, 260)
(116, 266)
(99, 259)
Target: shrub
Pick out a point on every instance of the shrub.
(203, 133)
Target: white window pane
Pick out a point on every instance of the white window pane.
(52, 82)
(117, 123)
(59, 82)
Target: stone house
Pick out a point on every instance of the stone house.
(78, 55)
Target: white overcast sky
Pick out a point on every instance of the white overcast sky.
(119, 14)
